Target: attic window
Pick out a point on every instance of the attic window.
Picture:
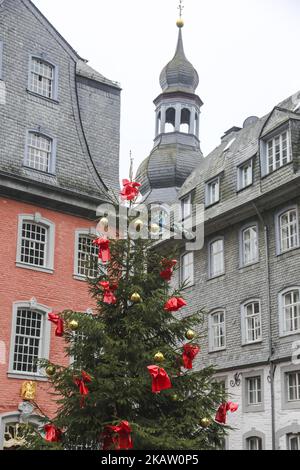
(229, 144)
(42, 78)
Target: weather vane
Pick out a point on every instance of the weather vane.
(180, 8)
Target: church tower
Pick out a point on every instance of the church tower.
(176, 152)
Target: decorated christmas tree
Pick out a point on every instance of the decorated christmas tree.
(131, 383)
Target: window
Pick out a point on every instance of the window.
(254, 392)
(293, 385)
(216, 258)
(43, 78)
(30, 338)
(11, 434)
(1, 60)
(40, 152)
(186, 207)
(35, 248)
(212, 192)
(160, 216)
(278, 151)
(245, 175)
(289, 307)
(254, 443)
(294, 442)
(251, 322)
(170, 120)
(288, 229)
(187, 268)
(249, 245)
(86, 262)
(217, 331)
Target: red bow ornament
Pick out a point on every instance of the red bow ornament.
(117, 437)
(81, 384)
(53, 434)
(130, 190)
(104, 251)
(109, 297)
(174, 304)
(168, 270)
(221, 415)
(160, 379)
(109, 438)
(58, 322)
(190, 351)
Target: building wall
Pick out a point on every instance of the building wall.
(58, 291)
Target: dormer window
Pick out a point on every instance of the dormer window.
(212, 192)
(277, 151)
(43, 78)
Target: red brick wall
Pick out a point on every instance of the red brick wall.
(57, 291)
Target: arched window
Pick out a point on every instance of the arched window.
(185, 120)
(43, 78)
(249, 245)
(158, 124)
(217, 331)
(170, 120)
(216, 258)
(254, 443)
(11, 436)
(40, 152)
(289, 311)
(251, 322)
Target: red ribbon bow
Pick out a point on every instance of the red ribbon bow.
(221, 415)
(53, 434)
(58, 322)
(190, 351)
(130, 190)
(81, 384)
(121, 441)
(104, 251)
(168, 270)
(160, 379)
(109, 297)
(174, 304)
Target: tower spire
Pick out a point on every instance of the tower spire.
(180, 22)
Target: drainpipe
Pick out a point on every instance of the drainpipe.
(271, 362)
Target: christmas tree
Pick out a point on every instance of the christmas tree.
(131, 382)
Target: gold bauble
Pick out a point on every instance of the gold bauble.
(190, 334)
(73, 325)
(205, 422)
(50, 371)
(104, 222)
(136, 298)
(138, 224)
(174, 397)
(180, 23)
(159, 357)
(154, 228)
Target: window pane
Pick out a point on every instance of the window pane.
(217, 258)
(288, 230)
(33, 244)
(218, 330)
(250, 245)
(252, 322)
(254, 443)
(291, 311)
(87, 264)
(254, 390)
(293, 381)
(39, 152)
(294, 442)
(27, 340)
(187, 268)
(41, 78)
(278, 151)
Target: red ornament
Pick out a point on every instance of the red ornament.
(109, 438)
(168, 263)
(117, 437)
(168, 270)
(53, 434)
(109, 297)
(130, 190)
(104, 251)
(81, 384)
(221, 415)
(174, 304)
(190, 351)
(58, 322)
(160, 379)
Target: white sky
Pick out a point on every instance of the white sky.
(245, 51)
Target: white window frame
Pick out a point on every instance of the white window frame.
(244, 317)
(209, 201)
(272, 140)
(53, 140)
(255, 259)
(278, 228)
(212, 347)
(186, 207)
(293, 436)
(297, 386)
(183, 278)
(44, 345)
(240, 175)
(282, 315)
(253, 407)
(15, 418)
(212, 275)
(47, 61)
(258, 442)
(255, 391)
(91, 232)
(50, 244)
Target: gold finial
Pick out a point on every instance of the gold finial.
(180, 22)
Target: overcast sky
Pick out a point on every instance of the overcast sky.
(246, 53)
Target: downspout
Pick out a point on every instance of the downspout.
(271, 362)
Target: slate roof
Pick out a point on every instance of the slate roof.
(84, 70)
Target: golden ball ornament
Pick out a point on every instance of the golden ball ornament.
(104, 223)
(139, 224)
(73, 325)
(136, 298)
(174, 397)
(180, 23)
(155, 229)
(190, 334)
(50, 371)
(159, 357)
(205, 422)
